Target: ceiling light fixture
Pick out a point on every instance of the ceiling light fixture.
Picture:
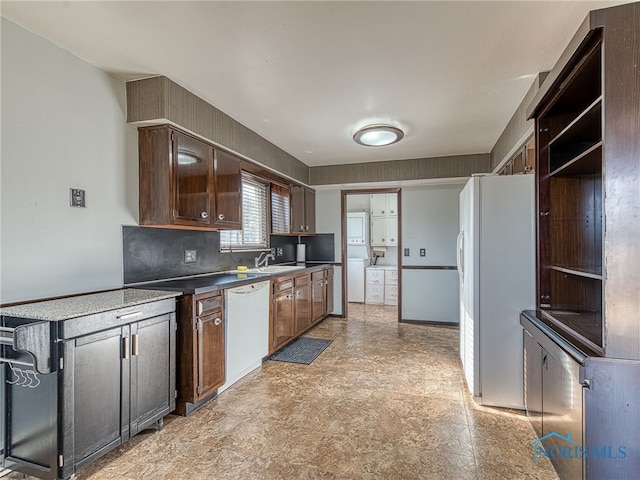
(378, 135)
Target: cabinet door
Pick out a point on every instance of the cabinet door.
(318, 300)
(379, 206)
(283, 318)
(152, 371)
(228, 190)
(533, 381)
(210, 354)
(302, 308)
(192, 180)
(329, 280)
(392, 204)
(378, 232)
(392, 231)
(297, 209)
(309, 210)
(562, 409)
(96, 391)
(303, 210)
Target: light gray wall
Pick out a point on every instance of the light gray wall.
(63, 125)
(518, 126)
(430, 220)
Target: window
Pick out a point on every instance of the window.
(253, 235)
(279, 209)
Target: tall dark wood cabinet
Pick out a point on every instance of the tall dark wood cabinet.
(582, 344)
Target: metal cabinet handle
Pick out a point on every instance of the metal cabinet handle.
(125, 348)
(134, 344)
(302, 228)
(221, 216)
(307, 228)
(204, 215)
(383, 239)
(217, 321)
(128, 316)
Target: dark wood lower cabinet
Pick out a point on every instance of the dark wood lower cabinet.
(299, 301)
(283, 314)
(201, 349)
(302, 303)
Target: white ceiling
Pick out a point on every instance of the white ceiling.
(305, 75)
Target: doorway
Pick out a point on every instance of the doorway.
(371, 248)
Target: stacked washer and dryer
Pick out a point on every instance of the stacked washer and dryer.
(358, 257)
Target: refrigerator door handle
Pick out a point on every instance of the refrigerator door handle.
(460, 255)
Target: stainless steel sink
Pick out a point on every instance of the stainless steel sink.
(276, 268)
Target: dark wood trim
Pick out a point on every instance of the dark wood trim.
(343, 217)
(429, 267)
(433, 323)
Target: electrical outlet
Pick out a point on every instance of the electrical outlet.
(190, 256)
(423, 252)
(77, 197)
(280, 253)
(406, 252)
(273, 251)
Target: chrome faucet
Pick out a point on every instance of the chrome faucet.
(258, 260)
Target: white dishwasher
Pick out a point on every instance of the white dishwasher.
(247, 332)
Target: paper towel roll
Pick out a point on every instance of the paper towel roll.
(301, 253)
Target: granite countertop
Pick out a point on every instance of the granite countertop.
(81, 305)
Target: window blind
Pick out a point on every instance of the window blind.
(254, 218)
(279, 209)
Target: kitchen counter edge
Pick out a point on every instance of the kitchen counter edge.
(187, 286)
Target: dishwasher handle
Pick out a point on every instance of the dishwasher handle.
(247, 289)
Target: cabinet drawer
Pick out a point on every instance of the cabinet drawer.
(391, 300)
(375, 289)
(317, 275)
(391, 277)
(283, 285)
(75, 327)
(301, 280)
(375, 294)
(205, 305)
(375, 276)
(391, 291)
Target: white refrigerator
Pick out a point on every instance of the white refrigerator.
(496, 266)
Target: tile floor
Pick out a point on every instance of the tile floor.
(383, 401)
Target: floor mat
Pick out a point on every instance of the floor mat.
(303, 350)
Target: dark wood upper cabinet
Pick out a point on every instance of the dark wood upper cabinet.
(192, 172)
(228, 190)
(185, 182)
(303, 210)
